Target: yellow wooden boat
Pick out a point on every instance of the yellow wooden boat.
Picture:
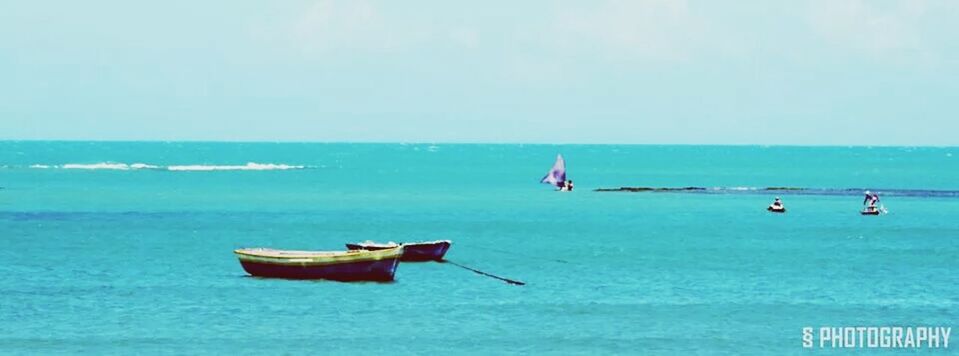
(354, 265)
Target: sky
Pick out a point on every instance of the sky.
(829, 72)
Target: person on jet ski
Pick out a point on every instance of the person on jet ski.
(776, 205)
(872, 199)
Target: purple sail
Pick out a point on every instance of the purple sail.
(557, 175)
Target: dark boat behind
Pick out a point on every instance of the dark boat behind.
(359, 265)
(412, 251)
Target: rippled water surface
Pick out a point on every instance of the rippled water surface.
(126, 247)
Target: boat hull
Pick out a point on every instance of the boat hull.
(378, 271)
(869, 212)
(425, 252)
(413, 252)
(379, 266)
(774, 210)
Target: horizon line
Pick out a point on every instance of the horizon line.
(374, 142)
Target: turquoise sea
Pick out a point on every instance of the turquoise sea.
(126, 247)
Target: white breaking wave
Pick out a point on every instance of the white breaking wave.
(101, 165)
(143, 166)
(251, 166)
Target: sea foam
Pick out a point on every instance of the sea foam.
(101, 165)
(251, 166)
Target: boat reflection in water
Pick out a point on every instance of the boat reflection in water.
(356, 265)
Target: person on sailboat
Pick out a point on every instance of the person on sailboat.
(569, 186)
(872, 199)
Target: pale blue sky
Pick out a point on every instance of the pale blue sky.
(729, 72)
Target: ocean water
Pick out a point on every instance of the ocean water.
(126, 247)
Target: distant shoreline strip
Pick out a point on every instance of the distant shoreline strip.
(926, 193)
(250, 166)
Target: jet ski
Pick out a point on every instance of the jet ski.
(777, 206)
(873, 210)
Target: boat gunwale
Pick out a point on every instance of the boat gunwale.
(320, 258)
(436, 242)
(394, 244)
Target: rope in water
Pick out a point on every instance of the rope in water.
(507, 280)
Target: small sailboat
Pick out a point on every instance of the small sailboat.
(557, 175)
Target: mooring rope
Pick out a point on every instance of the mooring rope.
(507, 280)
